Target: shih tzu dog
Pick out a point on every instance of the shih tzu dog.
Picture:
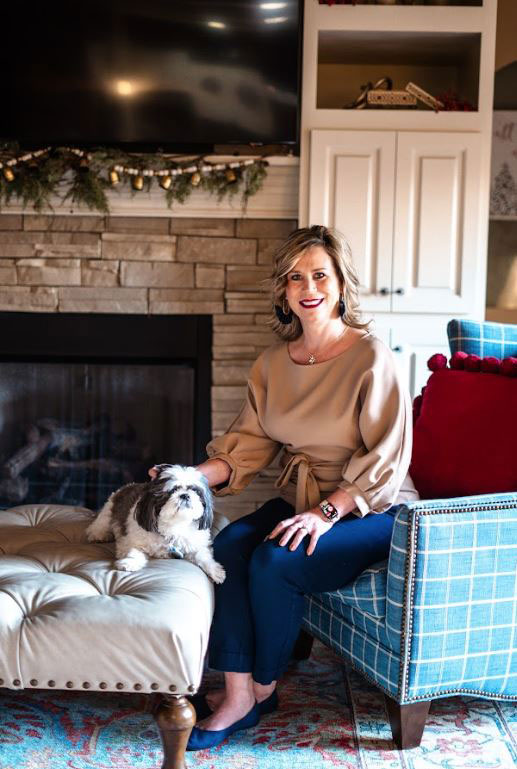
(170, 516)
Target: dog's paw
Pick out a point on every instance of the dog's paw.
(129, 563)
(217, 573)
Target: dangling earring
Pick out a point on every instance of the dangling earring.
(284, 315)
(342, 307)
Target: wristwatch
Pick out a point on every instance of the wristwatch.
(328, 510)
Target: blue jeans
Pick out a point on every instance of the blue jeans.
(259, 607)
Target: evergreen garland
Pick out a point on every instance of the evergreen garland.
(83, 176)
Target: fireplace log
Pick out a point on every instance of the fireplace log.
(14, 489)
(25, 457)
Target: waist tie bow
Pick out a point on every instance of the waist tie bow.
(307, 489)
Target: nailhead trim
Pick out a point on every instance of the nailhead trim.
(1, 681)
(137, 687)
(120, 686)
(69, 684)
(155, 686)
(103, 685)
(172, 688)
(51, 683)
(33, 682)
(86, 685)
(191, 688)
(16, 682)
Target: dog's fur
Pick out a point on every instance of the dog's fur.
(170, 516)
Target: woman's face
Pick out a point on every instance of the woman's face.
(313, 287)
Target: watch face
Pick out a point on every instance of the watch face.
(329, 510)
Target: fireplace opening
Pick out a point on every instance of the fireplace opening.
(90, 402)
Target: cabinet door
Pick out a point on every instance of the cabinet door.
(413, 347)
(436, 251)
(352, 188)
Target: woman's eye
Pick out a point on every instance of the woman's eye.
(320, 275)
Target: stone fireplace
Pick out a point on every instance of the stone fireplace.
(149, 267)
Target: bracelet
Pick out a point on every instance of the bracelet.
(328, 510)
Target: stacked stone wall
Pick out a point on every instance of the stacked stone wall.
(155, 265)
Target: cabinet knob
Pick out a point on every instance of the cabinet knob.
(399, 291)
(397, 348)
(384, 291)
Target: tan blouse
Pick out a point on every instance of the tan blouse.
(345, 422)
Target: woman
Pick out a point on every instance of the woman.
(327, 395)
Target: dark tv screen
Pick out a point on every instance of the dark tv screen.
(159, 73)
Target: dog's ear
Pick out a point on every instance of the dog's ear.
(149, 505)
(206, 520)
(163, 468)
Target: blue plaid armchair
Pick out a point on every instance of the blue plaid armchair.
(439, 617)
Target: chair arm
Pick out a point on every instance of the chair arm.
(452, 596)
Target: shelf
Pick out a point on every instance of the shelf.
(395, 119)
(441, 3)
(436, 61)
(408, 18)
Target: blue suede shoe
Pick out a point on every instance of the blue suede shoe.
(203, 709)
(200, 739)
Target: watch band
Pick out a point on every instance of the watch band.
(328, 510)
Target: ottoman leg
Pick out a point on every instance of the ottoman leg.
(175, 717)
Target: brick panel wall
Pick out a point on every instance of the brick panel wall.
(156, 265)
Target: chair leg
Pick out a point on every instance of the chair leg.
(303, 646)
(175, 717)
(407, 722)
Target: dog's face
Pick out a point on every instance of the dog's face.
(178, 495)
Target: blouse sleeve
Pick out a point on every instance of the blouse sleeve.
(376, 470)
(245, 446)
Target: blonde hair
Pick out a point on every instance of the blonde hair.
(284, 260)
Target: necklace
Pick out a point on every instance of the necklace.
(312, 357)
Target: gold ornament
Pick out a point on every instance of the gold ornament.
(195, 178)
(230, 175)
(138, 182)
(165, 182)
(114, 177)
(8, 174)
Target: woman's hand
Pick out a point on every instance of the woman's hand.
(296, 528)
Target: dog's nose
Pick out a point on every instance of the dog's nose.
(184, 496)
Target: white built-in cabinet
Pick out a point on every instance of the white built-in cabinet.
(409, 204)
(408, 188)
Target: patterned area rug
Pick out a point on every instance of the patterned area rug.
(329, 717)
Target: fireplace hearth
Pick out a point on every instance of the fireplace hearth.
(90, 401)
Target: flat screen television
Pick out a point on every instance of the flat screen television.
(150, 74)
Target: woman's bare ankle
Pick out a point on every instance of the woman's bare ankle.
(214, 697)
(263, 691)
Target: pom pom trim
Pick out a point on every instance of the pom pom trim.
(462, 361)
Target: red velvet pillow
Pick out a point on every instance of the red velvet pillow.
(465, 428)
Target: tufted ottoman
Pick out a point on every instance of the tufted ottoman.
(69, 620)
